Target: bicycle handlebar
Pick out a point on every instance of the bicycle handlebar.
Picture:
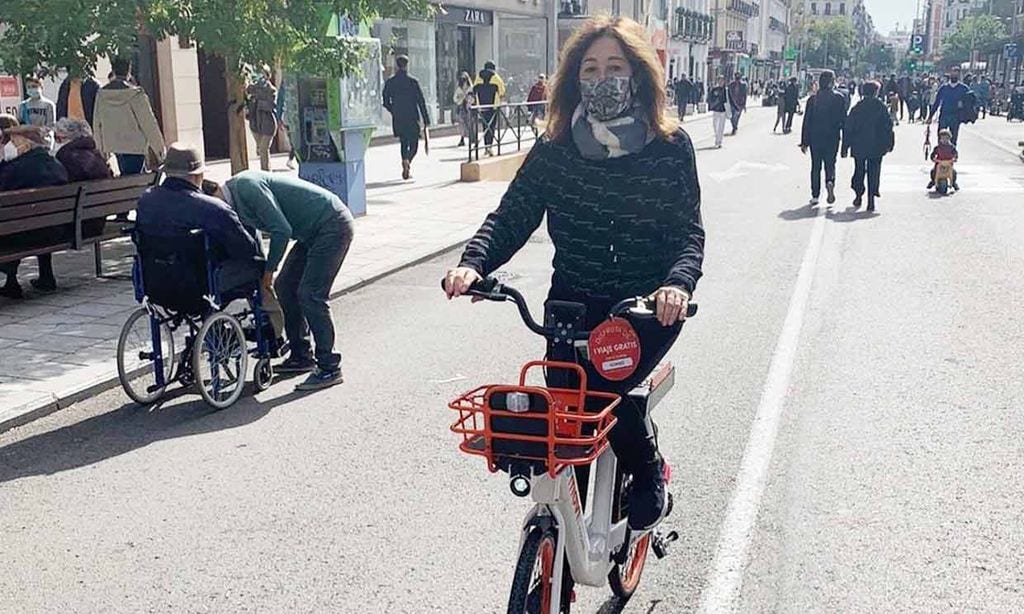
(489, 289)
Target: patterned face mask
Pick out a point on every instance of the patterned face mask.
(605, 99)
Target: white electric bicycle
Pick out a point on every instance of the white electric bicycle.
(547, 439)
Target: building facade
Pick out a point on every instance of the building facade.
(516, 35)
(692, 31)
(730, 43)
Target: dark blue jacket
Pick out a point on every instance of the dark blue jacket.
(176, 206)
(948, 100)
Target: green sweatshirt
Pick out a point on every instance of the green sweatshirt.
(282, 206)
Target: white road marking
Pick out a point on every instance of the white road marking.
(726, 577)
(743, 167)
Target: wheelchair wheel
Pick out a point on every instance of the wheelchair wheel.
(263, 374)
(219, 359)
(136, 368)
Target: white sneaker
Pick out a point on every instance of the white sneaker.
(291, 165)
(814, 200)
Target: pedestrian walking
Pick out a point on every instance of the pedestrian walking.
(780, 112)
(684, 92)
(792, 96)
(983, 89)
(284, 129)
(538, 98)
(489, 90)
(261, 108)
(76, 98)
(124, 124)
(288, 208)
(717, 103)
(617, 182)
(868, 136)
(821, 132)
(37, 110)
(464, 99)
(949, 101)
(403, 98)
(737, 101)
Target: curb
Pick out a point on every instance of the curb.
(34, 409)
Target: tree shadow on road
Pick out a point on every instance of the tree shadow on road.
(801, 213)
(125, 429)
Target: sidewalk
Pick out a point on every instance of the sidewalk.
(59, 348)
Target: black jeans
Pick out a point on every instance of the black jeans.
(953, 124)
(872, 168)
(788, 122)
(410, 144)
(823, 155)
(304, 286)
(487, 116)
(633, 438)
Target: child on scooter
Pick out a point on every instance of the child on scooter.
(945, 151)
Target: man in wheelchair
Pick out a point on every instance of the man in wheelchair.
(168, 214)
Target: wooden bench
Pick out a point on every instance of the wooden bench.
(67, 207)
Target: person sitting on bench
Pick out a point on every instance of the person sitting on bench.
(28, 164)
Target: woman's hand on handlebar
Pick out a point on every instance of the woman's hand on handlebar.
(458, 281)
(671, 303)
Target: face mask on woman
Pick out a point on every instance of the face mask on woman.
(10, 152)
(605, 99)
(34, 92)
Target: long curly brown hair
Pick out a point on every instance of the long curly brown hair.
(648, 75)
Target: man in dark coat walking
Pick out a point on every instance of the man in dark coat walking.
(791, 95)
(868, 135)
(821, 132)
(403, 98)
(684, 93)
(737, 100)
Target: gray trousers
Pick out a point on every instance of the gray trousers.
(303, 287)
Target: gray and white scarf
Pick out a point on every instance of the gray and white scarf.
(621, 136)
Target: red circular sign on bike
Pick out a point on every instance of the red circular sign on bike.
(614, 349)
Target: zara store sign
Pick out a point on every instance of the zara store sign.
(466, 16)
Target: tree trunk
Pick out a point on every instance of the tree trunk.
(238, 145)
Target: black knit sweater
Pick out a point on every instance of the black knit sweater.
(621, 227)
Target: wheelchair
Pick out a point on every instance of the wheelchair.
(177, 283)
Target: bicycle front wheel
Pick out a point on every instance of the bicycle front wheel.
(136, 357)
(219, 359)
(532, 586)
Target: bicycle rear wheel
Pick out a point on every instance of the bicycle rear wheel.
(532, 591)
(136, 364)
(219, 359)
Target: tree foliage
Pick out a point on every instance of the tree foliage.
(49, 35)
(828, 43)
(879, 55)
(971, 34)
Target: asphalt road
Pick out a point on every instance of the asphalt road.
(845, 430)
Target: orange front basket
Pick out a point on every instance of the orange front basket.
(545, 428)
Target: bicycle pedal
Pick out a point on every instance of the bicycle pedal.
(661, 543)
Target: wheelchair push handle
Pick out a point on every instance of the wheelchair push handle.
(490, 289)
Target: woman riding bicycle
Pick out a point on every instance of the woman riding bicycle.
(617, 179)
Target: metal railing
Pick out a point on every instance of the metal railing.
(494, 126)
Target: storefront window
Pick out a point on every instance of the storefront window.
(416, 40)
(522, 53)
